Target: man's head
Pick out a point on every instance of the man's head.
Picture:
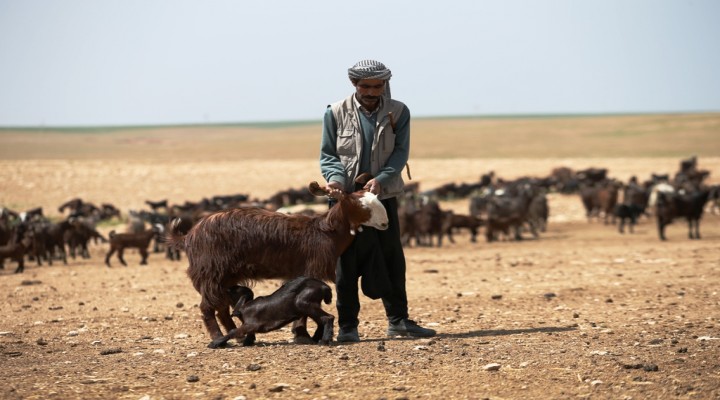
(370, 79)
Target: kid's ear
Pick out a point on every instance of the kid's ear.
(317, 190)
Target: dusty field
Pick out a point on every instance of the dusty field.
(583, 312)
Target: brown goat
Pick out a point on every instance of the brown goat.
(121, 241)
(301, 297)
(244, 245)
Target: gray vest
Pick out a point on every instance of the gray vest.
(350, 140)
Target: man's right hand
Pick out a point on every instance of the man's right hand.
(335, 185)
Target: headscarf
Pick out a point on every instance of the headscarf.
(371, 69)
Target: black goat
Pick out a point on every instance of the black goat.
(676, 204)
(299, 298)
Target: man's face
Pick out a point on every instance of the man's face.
(369, 92)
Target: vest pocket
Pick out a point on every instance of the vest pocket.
(346, 142)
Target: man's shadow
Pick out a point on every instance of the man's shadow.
(460, 335)
(482, 333)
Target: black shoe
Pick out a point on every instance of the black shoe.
(408, 327)
(348, 335)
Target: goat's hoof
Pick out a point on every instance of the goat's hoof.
(303, 340)
(216, 345)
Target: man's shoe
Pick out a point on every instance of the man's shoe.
(408, 327)
(348, 335)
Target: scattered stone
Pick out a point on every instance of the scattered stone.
(179, 305)
(496, 297)
(279, 387)
(608, 300)
(193, 378)
(30, 282)
(253, 367)
(650, 367)
(421, 347)
(682, 350)
(492, 367)
(73, 333)
(6, 333)
(344, 357)
(550, 295)
(381, 346)
(182, 336)
(656, 341)
(113, 350)
(192, 354)
(42, 342)
(576, 315)
(596, 382)
(431, 271)
(55, 308)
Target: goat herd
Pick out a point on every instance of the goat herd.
(505, 209)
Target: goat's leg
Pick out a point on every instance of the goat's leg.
(226, 319)
(661, 229)
(209, 320)
(144, 255)
(21, 265)
(222, 340)
(325, 323)
(84, 252)
(120, 256)
(299, 329)
(108, 255)
(696, 224)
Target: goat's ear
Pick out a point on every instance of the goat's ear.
(363, 178)
(316, 190)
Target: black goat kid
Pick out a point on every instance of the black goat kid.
(299, 298)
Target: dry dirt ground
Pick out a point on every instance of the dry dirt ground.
(582, 312)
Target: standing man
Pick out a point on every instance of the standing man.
(370, 132)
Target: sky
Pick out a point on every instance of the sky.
(155, 62)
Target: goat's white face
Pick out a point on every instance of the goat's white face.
(378, 215)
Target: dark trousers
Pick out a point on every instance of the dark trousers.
(373, 252)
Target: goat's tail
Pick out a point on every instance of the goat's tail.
(327, 294)
(110, 235)
(175, 236)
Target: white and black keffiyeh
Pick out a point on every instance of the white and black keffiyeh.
(371, 69)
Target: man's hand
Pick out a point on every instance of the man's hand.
(373, 186)
(335, 185)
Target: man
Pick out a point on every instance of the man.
(370, 132)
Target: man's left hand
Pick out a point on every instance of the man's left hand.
(373, 186)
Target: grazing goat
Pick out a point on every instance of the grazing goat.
(299, 298)
(141, 241)
(247, 244)
(452, 221)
